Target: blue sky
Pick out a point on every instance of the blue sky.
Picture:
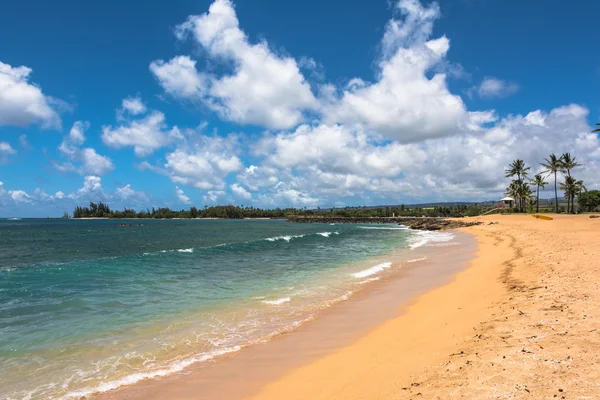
(272, 103)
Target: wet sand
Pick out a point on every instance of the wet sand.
(243, 374)
(522, 321)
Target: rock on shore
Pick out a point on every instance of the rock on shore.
(421, 223)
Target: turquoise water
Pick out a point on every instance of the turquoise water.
(88, 306)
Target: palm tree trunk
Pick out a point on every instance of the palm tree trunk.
(555, 194)
(537, 201)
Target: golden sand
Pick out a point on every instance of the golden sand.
(523, 321)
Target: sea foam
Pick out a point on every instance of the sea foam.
(278, 301)
(423, 238)
(287, 238)
(373, 270)
(139, 376)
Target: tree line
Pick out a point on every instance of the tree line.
(102, 210)
(520, 188)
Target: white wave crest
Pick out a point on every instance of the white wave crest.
(327, 234)
(287, 238)
(136, 377)
(416, 260)
(373, 270)
(278, 301)
(185, 250)
(423, 238)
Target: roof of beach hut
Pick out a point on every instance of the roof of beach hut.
(508, 198)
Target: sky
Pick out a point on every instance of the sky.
(289, 104)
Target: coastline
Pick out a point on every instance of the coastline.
(521, 322)
(243, 373)
(522, 319)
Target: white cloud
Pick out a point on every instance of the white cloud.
(181, 196)
(94, 163)
(403, 104)
(91, 190)
(133, 105)
(323, 165)
(494, 87)
(5, 151)
(264, 89)
(23, 103)
(145, 135)
(212, 196)
(82, 160)
(203, 164)
(20, 196)
(239, 191)
(179, 77)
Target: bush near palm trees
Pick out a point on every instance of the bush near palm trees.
(589, 200)
(518, 188)
(572, 188)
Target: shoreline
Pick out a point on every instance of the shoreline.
(423, 269)
(522, 321)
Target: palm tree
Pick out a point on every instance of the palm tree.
(520, 191)
(597, 130)
(519, 169)
(568, 164)
(572, 188)
(553, 165)
(538, 181)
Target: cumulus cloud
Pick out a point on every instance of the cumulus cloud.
(145, 135)
(341, 163)
(264, 88)
(133, 105)
(181, 196)
(202, 164)
(212, 196)
(179, 78)
(240, 192)
(5, 151)
(81, 160)
(404, 104)
(493, 87)
(23, 103)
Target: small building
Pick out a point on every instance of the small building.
(507, 202)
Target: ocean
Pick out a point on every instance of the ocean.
(88, 306)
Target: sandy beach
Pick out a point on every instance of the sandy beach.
(521, 322)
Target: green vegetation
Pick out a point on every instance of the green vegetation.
(521, 191)
(589, 200)
(518, 188)
(102, 210)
